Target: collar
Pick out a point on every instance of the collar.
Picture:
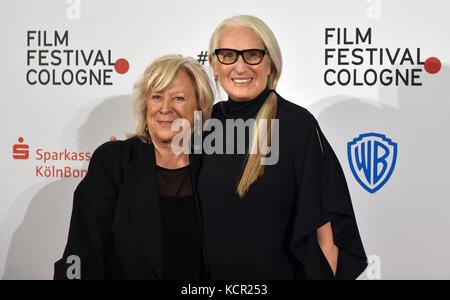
(245, 109)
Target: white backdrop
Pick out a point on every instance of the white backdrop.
(404, 225)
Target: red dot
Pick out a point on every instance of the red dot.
(21, 140)
(432, 65)
(122, 66)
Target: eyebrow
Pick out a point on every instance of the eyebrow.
(175, 93)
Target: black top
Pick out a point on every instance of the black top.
(181, 239)
(270, 233)
(116, 227)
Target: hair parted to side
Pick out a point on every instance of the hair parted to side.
(158, 75)
(253, 167)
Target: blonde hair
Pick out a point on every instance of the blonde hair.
(158, 75)
(253, 167)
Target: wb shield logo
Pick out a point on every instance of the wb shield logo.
(372, 159)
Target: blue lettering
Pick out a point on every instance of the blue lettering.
(364, 162)
(380, 160)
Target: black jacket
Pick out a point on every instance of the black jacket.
(271, 233)
(115, 228)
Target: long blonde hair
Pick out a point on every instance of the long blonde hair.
(158, 75)
(268, 111)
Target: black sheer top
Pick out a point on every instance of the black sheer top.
(271, 233)
(182, 246)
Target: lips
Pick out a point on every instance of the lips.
(242, 80)
(165, 123)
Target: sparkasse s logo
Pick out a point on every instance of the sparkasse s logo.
(21, 151)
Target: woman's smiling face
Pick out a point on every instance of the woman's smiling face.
(176, 101)
(241, 81)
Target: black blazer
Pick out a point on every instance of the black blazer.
(115, 227)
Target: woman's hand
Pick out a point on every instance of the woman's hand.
(326, 243)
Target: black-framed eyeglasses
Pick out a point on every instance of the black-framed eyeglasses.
(250, 56)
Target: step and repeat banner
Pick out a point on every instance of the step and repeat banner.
(375, 73)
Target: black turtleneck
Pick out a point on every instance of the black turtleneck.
(270, 233)
(244, 109)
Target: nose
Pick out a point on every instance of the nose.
(166, 106)
(240, 65)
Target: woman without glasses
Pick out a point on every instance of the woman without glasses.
(136, 214)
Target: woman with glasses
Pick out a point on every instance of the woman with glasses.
(279, 214)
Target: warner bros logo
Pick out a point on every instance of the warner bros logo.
(372, 159)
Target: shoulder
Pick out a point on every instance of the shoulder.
(288, 112)
(295, 115)
(114, 153)
(113, 149)
(217, 109)
(109, 161)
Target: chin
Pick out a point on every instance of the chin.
(240, 95)
(166, 139)
(244, 94)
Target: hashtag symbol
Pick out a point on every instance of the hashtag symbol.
(202, 57)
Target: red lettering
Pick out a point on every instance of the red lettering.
(74, 156)
(38, 171)
(66, 155)
(39, 154)
(47, 156)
